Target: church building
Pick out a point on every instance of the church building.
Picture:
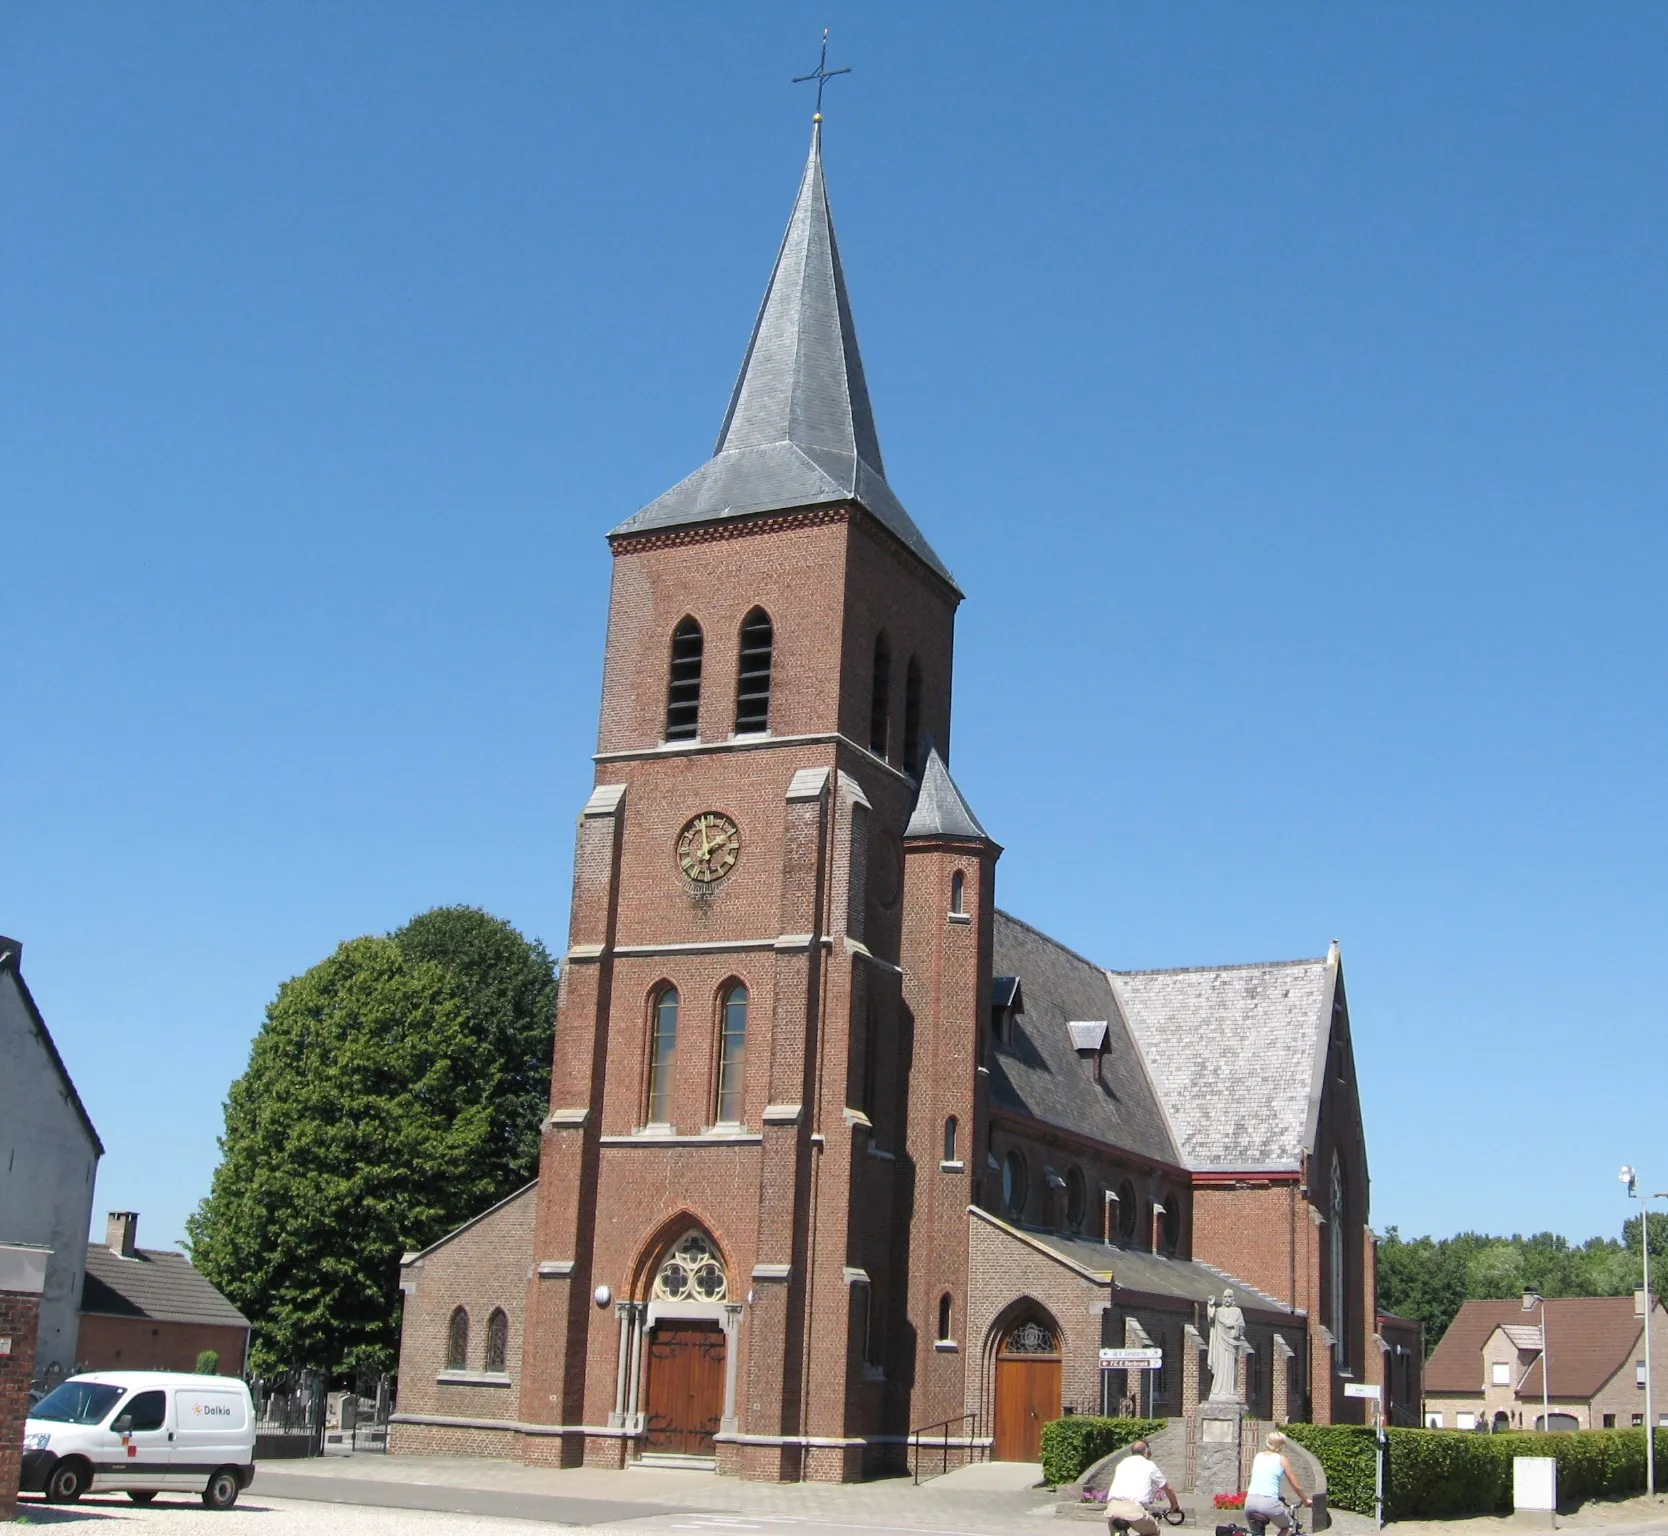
(840, 1154)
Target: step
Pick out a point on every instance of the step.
(653, 1461)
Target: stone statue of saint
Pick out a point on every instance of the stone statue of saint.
(1227, 1344)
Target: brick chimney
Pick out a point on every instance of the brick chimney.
(121, 1233)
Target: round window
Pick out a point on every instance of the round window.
(1170, 1226)
(1074, 1199)
(1013, 1182)
(1127, 1214)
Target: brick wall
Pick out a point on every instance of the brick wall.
(484, 1267)
(1044, 1148)
(141, 1344)
(19, 1321)
(1008, 1277)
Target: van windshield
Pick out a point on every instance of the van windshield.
(78, 1402)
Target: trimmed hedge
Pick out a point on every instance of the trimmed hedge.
(1070, 1446)
(1431, 1472)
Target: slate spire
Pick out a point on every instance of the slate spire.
(799, 430)
(941, 810)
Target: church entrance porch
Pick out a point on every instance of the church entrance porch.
(1027, 1390)
(684, 1396)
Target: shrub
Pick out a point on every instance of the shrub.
(1434, 1472)
(1072, 1445)
(208, 1362)
(1345, 1452)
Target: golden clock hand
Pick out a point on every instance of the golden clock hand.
(706, 847)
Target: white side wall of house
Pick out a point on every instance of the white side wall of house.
(47, 1165)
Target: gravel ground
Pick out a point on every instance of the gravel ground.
(181, 1513)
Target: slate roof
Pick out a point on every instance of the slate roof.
(155, 1283)
(800, 431)
(1237, 1053)
(1590, 1338)
(941, 810)
(1042, 1075)
(1152, 1273)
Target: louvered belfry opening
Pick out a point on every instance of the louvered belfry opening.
(753, 673)
(683, 690)
(912, 719)
(880, 697)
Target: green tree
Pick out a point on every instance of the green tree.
(1430, 1278)
(392, 1093)
(1422, 1278)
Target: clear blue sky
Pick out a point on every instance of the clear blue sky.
(1284, 384)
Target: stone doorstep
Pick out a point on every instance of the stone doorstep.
(655, 1461)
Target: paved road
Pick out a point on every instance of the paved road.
(510, 1503)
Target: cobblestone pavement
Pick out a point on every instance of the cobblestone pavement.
(178, 1514)
(410, 1496)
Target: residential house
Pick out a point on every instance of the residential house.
(1486, 1373)
(49, 1156)
(148, 1309)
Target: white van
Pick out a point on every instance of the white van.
(141, 1433)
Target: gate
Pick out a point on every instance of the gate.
(289, 1414)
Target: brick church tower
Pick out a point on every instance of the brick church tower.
(735, 1167)
(836, 1150)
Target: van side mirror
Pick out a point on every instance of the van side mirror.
(123, 1425)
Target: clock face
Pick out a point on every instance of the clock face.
(708, 846)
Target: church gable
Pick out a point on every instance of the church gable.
(1041, 1073)
(1238, 1054)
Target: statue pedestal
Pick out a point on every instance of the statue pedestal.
(1219, 1432)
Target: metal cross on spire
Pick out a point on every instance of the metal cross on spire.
(822, 74)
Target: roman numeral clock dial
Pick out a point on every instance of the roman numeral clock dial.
(707, 847)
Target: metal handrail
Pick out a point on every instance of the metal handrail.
(973, 1451)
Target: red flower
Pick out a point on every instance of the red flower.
(1230, 1501)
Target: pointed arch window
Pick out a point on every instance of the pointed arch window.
(663, 1048)
(880, 696)
(950, 1129)
(683, 688)
(1335, 1217)
(753, 673)
(457, 1341)
(944, 1307)
(691, 1271)
(958, 894)
(498, 1341)
(732, 1054)
(912, 718)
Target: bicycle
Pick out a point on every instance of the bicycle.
(1121, 1526)
(1257, 1525)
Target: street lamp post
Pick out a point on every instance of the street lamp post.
(1631, 1180)
(1532, 1298)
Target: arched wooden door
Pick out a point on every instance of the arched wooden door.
(683, 1389)
(1027, 1389)
(685, 1396)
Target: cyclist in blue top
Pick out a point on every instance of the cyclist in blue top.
(1262, 1495)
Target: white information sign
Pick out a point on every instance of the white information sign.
(1364, 1389)
(1147, 1359)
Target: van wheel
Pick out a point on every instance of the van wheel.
(141, 1495)
(221, 1492)
(67, 1482)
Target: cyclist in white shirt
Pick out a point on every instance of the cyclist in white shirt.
(1136, 1483)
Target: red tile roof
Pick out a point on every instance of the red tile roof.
(1589, 1338)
